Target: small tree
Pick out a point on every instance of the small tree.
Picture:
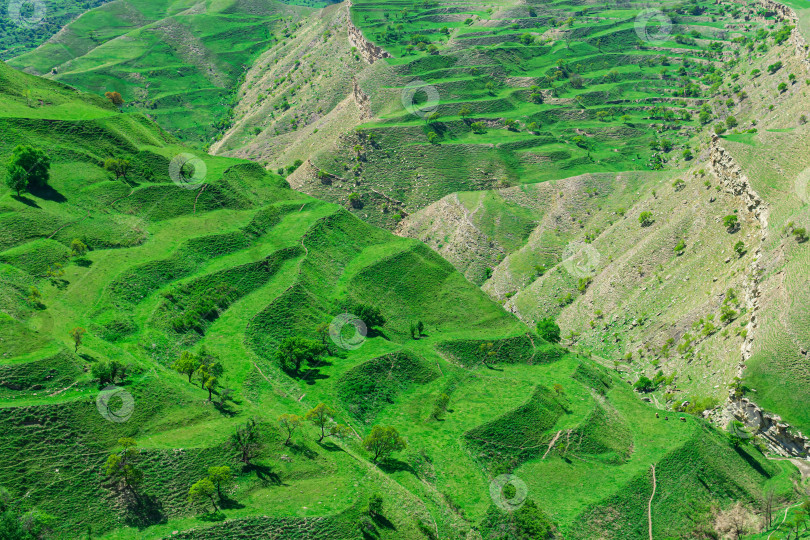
(646, 218)
(115, 98)
(119, 167)
(736, 521)
(375, 505)
(220, 477)
(644, 384)
(739, 248)
(202, 491)
(247, 441)
(119, 467)
(211, 383)
(383, 441)
(289, 423)
(320, 416)
(34, 162)
(17, 179)
(548, 330)
(294, 351)
(370, 315)
(78, 248)
(76, 335)
(731, 223)
(187, 364)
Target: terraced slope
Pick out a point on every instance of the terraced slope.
(229, 269)
(176, 62)
(521, 94)
(674, 296)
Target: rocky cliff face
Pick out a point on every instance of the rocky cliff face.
(734, 181)
(776, 434)
(787, 15)
(370, 52)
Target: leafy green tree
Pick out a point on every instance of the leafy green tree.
(370, 315)
(375, 505)
(211, 383)
(731, 222)
(646, 218)
(119, 167)
(120, 467)
(220, 477)
(78, 248)
(187, 364)
(739, 248)
(296, 350)
(644, 384)
(17, 179)
(201, 492)
(35, 162)
(76, 335)
(17, 524)
(549, 330)
(289, 423)
(321, 415)
(247, 441)
(383, 441)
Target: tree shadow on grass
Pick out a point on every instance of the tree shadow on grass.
(144, 511)
(227, 503)
(88, 357)
(312, 375)
(392, 465)
(382, 521)
(224, 409)
(756, 465)
(48, 193)
(329, 446)
(213, 516)
(264, 473)
(26, 201)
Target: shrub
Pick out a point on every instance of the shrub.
(646, 219)
(549, 330)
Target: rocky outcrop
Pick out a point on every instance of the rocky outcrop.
(734, 181)
(370, 52)
(363, 101)
(789, 16)
(770, 427)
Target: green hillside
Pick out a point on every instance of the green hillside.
(230, 269)
(177, 62)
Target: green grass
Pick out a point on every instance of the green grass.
(246, 262)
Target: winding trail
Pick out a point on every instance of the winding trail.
(649, 503)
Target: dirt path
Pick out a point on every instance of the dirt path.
(649, 503)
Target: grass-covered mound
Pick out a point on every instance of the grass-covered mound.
(369, 387)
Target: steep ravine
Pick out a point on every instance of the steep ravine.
(778, 435)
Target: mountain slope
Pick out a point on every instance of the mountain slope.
(236, 265)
